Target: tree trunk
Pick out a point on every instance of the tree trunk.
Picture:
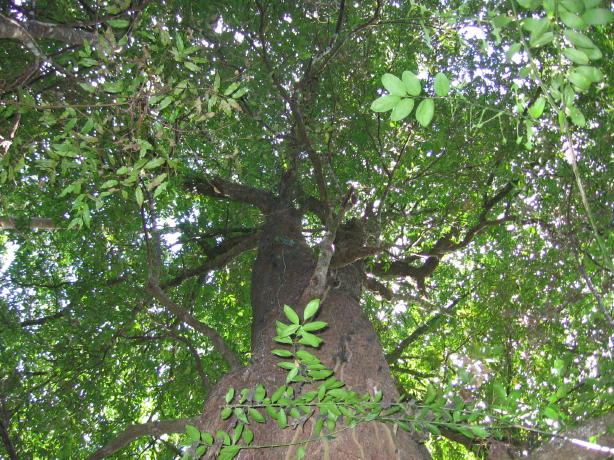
(282, 270)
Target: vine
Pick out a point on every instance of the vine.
(334, 408)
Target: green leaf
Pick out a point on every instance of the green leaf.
(321, 374)
(588, 4)
(286, 365)
(318, 427)
(159, 189)
(551, 413)
(288, 330)
(284, 339)
(442, 85)
(501, 21)
(200, 451)
(110, 183)
(280, 391)
(572, 20)
(479, 431)
(310, 339)
(229, 452)
(118, 23)
(231, 88)
(541, 40)
(307, 357)
(402, 109)
(311, 309)
(207, 438)
(240, 414)
(425, 112)
(579, 39)
(529, 4)
(576, 56)
(230, 394)
(538, 107)
(87, 87)
(138, 193)
(293, 373)
(255, 415)
(393, 84)
(191, 66)
(248, 436)
(598, 16)
(385, 103)
(282, 419)
(225, 413)
(412, 84)
(315, 325)
(259, 393)
(577, 117)
(580, 80)
(193, 433)
(165, 103)
(593, 53)
(574, 6)
(283, 353)
(300, 452)
(291, 315)
(113, 86)
(151, 164)
(592, 73)
(240, 92)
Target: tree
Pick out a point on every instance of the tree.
(174, 173)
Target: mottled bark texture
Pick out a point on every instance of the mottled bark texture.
(283, 268)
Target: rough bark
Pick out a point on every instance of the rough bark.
(571, 446)
(133, 432)
(351, 348)
(12, 223)
(26, 31)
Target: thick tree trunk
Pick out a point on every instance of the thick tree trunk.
(281, 272)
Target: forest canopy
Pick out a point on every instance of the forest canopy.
(414, 198)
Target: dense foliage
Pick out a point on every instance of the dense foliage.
(486, 194)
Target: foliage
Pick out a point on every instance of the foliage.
(334, 408)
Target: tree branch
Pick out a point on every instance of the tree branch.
(33, 223)
(317, 283)
(443, 245)
(219, 257)
(376, 286)
(11, 29)
(394, 355)
(220, 344)
(133, 432)
(44, 319)
(217, 187)
(4, 432)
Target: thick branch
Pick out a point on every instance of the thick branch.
(316, 287)
(221, 188)
(376, 286)
(220, 344)
(38, 223)
(146, 429)
(353, 254)
(43, 320)
(313, 205)
(4, 432)
(11, 29)
(443, 245)
(219, 257)
(393, 356)
(567, 446)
